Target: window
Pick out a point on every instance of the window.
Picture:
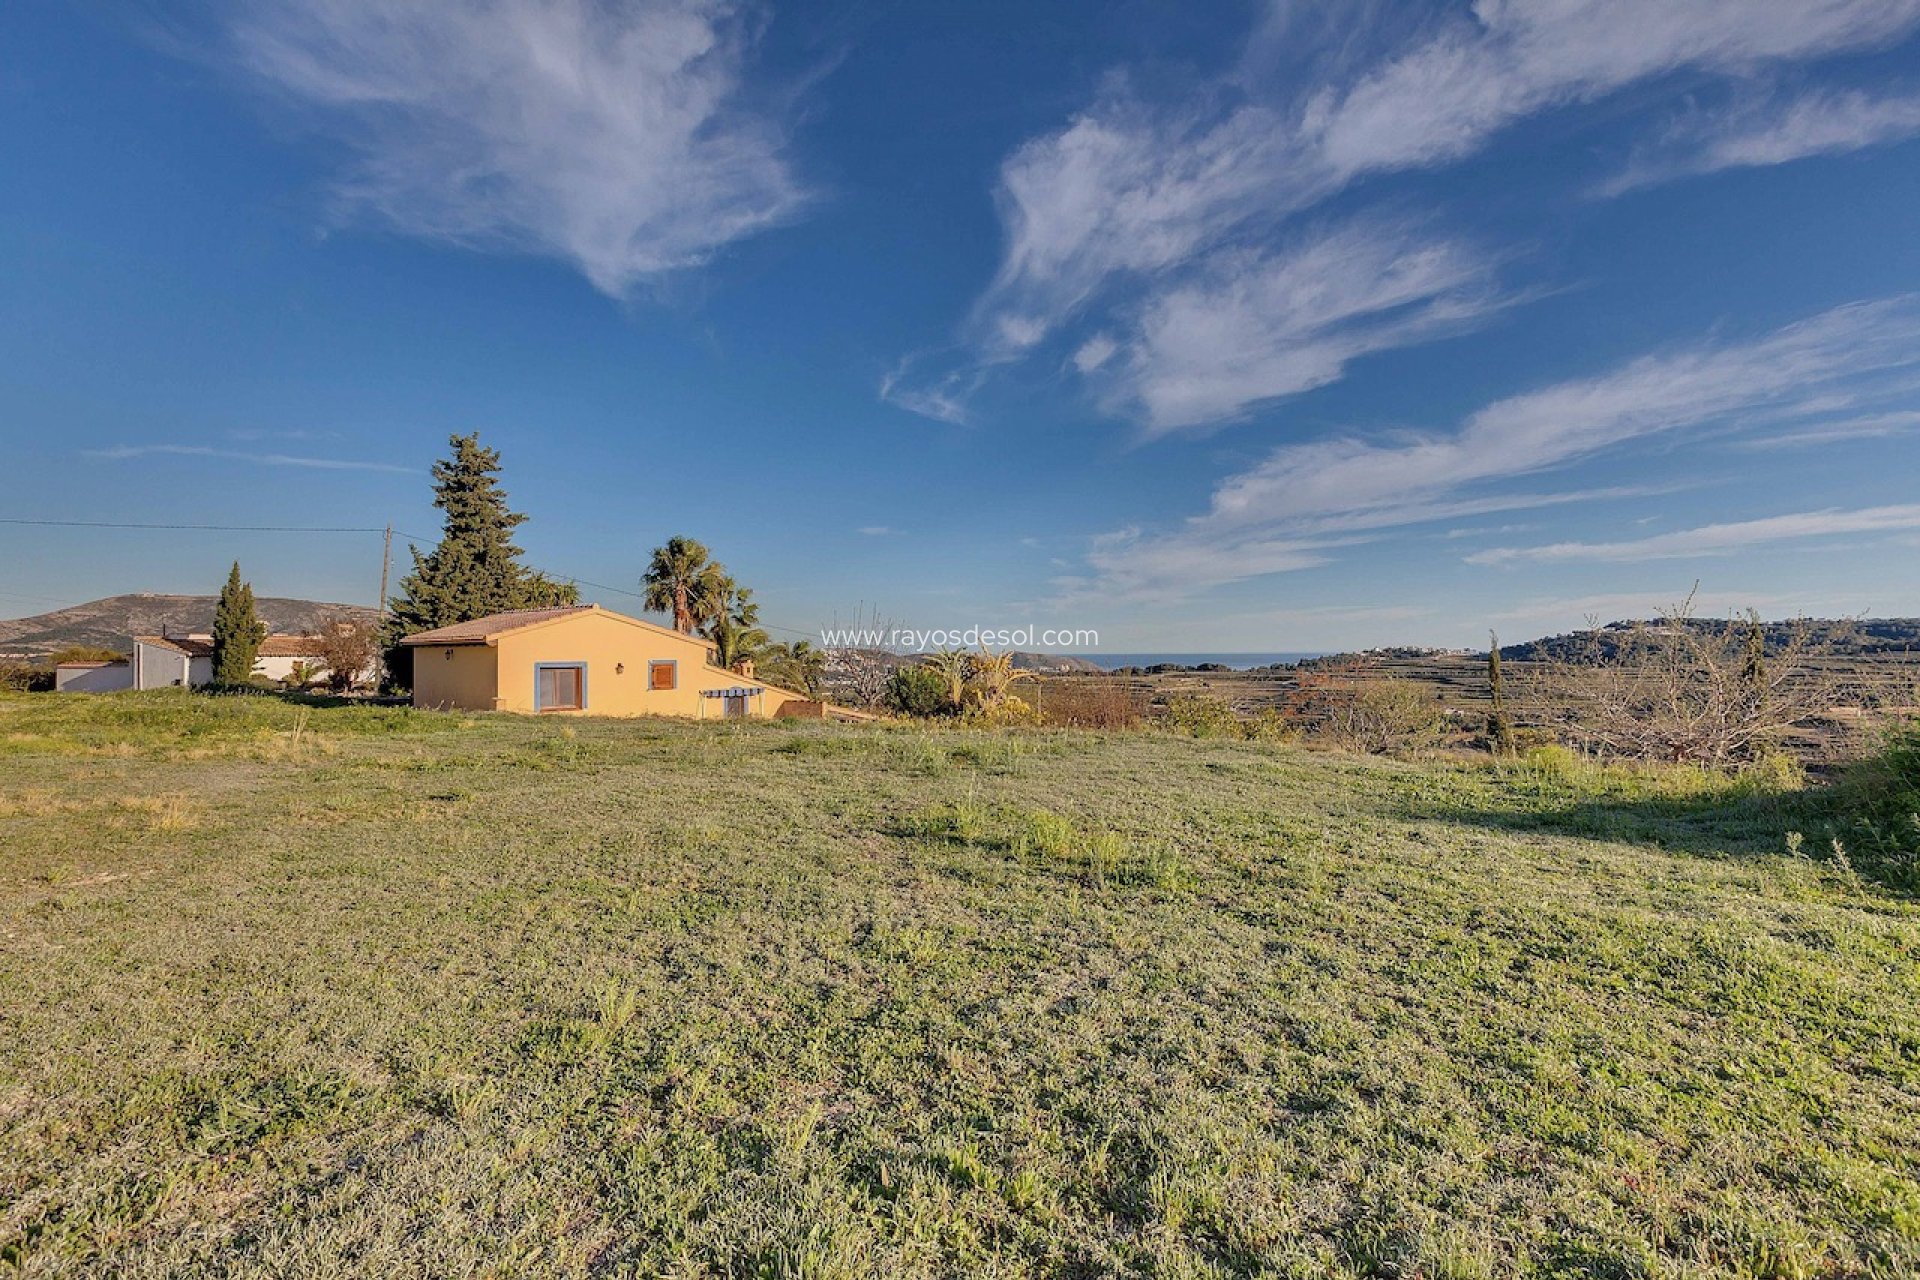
(663, 675)
(560, 686)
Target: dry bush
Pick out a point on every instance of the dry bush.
(1201, 715)
(1683, 689)
(1091, 702)
(1350, 705)
(347, 647)
(1384, 716)
(25, 677)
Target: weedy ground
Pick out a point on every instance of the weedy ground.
(292, 991)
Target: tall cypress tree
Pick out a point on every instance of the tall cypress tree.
(237, 631)
(1499, 724)
(1753, 672)
(475, 569)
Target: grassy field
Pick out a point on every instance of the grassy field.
(292, 992)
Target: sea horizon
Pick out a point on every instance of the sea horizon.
(1237, 661)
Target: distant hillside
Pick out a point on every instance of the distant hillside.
(1865, 638)
(114, 621)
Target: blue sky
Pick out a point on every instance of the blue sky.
(1220, 327)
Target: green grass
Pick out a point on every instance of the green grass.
(302, 991)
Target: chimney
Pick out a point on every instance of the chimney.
(744, 667)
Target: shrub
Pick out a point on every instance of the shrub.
(1008, 710)
(1769, 774)
(1385, 717)
(1554, 761)
(1879, 804)
(918, 691)
(83, 653)
(1200, 716)
(1093, 702)
(1269, 724)
(22, 677)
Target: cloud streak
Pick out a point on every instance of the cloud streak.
(1253, 326)
(618, 138)
(126, 451)
(1138, 214)
(1286, 512)
(1873, 426)
(1814, 124)
(1713, 539)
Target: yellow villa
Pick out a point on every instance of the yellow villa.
(585, 660)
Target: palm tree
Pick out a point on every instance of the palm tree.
(675, 581)
(797, 666)
(953, 666)
(731, 621)
(994, 675)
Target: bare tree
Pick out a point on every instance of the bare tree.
(1385, 716)
(859, 676)
(347, 646)
(1684, 689)
(855, 674)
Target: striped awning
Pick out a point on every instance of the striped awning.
(736, 692)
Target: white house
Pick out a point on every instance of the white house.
(163, 661)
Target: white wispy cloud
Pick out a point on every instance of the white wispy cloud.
(1360, 479)
(123, 451)
(1280, 513)
(1148, 205)
(944, 399)
(620, 138)
(1494, 531)
(1714, 539)
(1813, 124)
(1444, 97)
(1254, 326)
(1129, 565)
(1872, 426)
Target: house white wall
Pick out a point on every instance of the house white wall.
(281, 668)
(155, 667)
(92, 678)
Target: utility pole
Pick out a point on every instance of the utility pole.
(386, 565)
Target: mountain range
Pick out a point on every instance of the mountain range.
(112, 623)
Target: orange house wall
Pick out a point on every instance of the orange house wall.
(458, 677)
(606, 643)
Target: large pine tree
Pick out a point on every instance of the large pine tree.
(476, 568)
(237, 631)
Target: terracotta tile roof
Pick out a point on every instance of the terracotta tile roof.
(481, 630)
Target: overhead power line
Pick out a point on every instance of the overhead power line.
(204, 528)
